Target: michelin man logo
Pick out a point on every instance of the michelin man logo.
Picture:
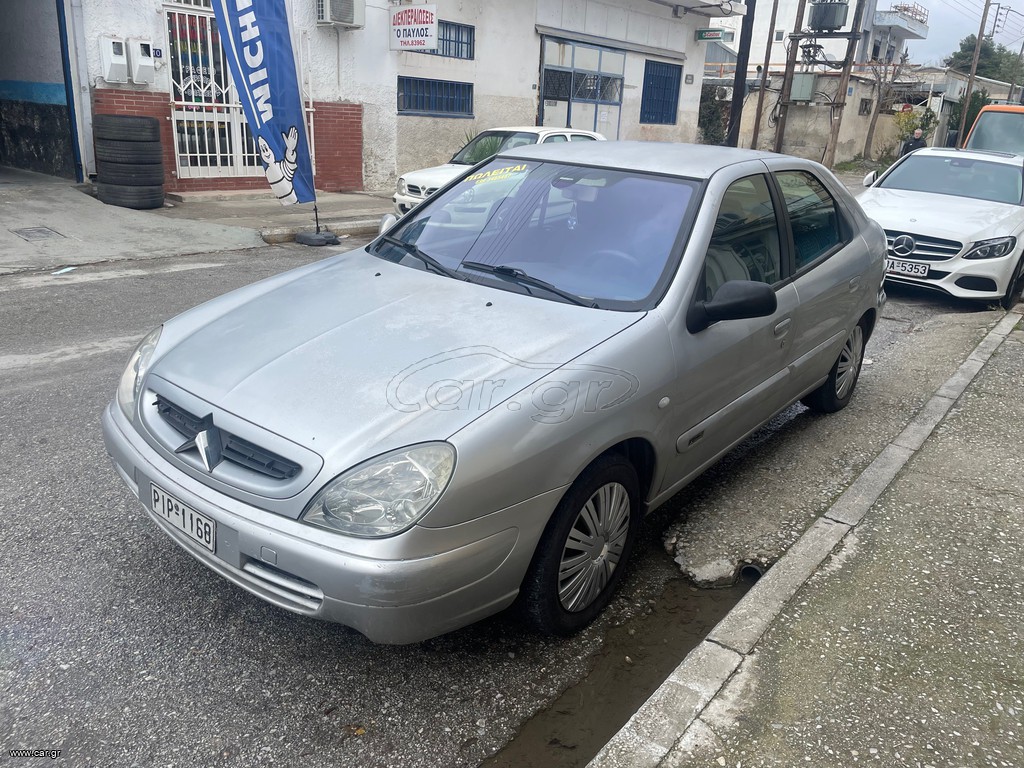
(280, 173)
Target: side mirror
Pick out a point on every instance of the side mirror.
(387, 222)
(734, 300)
(871, 178)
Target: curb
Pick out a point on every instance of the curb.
(277, 235)
(664, 719)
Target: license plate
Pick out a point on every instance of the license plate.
(897, 267)
(197, 527)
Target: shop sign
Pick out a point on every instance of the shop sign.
(413, 27)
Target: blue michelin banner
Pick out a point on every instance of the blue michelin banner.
(258, 47)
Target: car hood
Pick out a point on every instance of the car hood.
(438, 176)
(944, 216)
(362, 356)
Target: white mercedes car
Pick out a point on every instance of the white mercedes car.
(414, 187)
(953, 221)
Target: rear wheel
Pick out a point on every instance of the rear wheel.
(836, 392)
(579, 561)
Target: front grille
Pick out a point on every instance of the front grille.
(926, 248)
(417, 191)
(234, 448)
(288, 586)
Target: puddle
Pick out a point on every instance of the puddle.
(635, 659)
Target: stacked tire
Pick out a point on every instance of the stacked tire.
(129, 161)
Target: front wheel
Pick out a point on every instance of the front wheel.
(1013, 290)
(836, 392)
(579, 561)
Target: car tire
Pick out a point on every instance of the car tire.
(140, 198)
(580, 558)
(836, 392)
(132, 175)
(1013, 290)
(126, 127)
(129, 152)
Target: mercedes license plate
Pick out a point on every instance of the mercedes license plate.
(912, 268)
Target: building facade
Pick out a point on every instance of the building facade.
(629, 69)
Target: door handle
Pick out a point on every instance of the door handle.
(783, 327)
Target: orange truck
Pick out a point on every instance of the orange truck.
(998, 127)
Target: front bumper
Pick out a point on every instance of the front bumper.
(964, 278)
(401, 589)
(405, 203)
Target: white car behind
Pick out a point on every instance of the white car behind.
(414, 187)
(953, 221)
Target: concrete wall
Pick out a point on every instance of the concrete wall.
(808, 127)
(35, 128)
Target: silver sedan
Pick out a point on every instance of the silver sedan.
(478, 408)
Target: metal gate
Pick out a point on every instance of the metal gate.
(211, 136)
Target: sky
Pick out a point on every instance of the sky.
(950, 21)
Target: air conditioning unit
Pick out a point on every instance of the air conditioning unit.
(342, 13)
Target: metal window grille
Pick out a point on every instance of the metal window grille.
(456, 41)
(660, 100)
(212, 137)
(418, 95)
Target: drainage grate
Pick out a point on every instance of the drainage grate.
(36, 233)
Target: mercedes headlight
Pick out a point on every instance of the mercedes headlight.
(403, 188)
(991, 249)
(385, 495)
(131, 380)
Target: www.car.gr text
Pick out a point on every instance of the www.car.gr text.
(53, 754)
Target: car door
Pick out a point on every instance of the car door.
(829, 272)
(732, 376)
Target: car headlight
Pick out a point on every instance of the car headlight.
(991, 249)
(403, 188)
(385, 495)
(131, 380)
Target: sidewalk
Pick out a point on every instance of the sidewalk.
(890, 633)
(343, 213)
(47, 223)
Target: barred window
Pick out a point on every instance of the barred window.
(418, 95)
(660, 100)
(456, 41)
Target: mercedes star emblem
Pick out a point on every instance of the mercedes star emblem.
(903, 245)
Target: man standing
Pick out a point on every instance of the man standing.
(916, 142)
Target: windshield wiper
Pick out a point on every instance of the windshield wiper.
(413, 250)
(518, 276)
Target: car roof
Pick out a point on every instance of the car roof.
(696, 161)
(1002, 108)
(540, 129)
(993, 156)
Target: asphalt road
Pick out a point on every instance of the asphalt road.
(118, 649)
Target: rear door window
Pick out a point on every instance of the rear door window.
(813, 216)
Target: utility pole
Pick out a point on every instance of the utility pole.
(764, 73)
(966, 103)
(844, 84)
(739, 81)
(787, 80)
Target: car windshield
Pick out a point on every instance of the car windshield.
(960, 176)
(604, 237)
(490, 143)
(998, 132)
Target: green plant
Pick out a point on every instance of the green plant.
(712, 116)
